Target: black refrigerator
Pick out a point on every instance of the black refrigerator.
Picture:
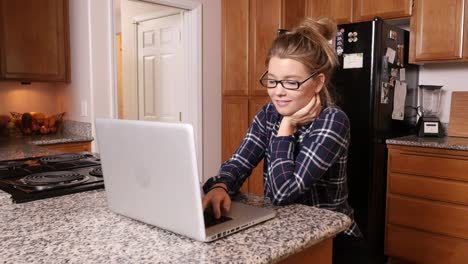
(373, 65)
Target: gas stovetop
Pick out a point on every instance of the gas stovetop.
(38, 178)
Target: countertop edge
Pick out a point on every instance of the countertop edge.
(450, 143)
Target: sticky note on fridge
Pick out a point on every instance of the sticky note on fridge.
(402, 75)
(399, 101)
(353, 60)
(390, 54)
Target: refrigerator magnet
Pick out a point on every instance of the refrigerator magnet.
(391, 54)
(384, 91)
(353, 60)
(385, 64)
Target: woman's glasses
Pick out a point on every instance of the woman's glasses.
(287, 84)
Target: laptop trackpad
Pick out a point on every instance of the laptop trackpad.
(211, 220)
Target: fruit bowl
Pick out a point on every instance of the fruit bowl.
(37, 122)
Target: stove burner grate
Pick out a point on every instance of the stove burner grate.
(53, 178)
(62, 158)
(96, 171)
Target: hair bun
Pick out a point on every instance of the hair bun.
(324, 26)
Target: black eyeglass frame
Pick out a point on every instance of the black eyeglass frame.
(281, 81)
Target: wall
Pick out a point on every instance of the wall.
(453, 76)
(38, 97)
(76, 98)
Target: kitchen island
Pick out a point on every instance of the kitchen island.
(80, 228)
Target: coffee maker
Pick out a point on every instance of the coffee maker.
(429, 124)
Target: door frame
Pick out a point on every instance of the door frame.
(192, 49)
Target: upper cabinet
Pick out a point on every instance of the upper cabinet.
(34, 40)
(235, 47)
(265, 21)
(248, 29)
(366, 10)
(340, 10)
(349, 11)
(437, 31)
(465, 33)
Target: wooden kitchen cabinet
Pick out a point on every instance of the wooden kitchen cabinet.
(265, 17)
(340, 10)
(437, 31)
(34, 40)
(465, 33)
(350, 11)
(248, 29)
(427, 205)
(235, 47)
(235, 117)
(70, 147)
(366, 10)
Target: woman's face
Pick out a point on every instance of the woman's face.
(287, 102)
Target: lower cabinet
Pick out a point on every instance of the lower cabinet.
(427, 205)
(70, 147)
(238, 113)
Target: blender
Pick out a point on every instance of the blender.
(429, 123)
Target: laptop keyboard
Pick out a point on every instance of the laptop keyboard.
(211, 220)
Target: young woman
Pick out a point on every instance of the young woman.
(301, 135)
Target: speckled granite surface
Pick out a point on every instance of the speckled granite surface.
(30, 146)
(455, 143)
(79, 228)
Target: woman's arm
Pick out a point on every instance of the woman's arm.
(291, 176)
(235, 171)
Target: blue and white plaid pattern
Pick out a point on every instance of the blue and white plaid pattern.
(308, 167)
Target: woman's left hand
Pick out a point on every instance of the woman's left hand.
(308, 113)
(305, 115)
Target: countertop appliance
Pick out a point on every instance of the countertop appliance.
(38, 178)
(373, 60)
(429, 123)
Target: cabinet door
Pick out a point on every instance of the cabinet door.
(436, 30)
(265, 21)
(34, 40)
(292, 13)
(234, 126)
(366, 10)
(465, 33)
(340, 10)
(235, 47)
(256, 178)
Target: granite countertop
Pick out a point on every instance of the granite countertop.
(454, 143)
(30, 147)
(80, 228)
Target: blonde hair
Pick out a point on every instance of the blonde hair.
(309, 44)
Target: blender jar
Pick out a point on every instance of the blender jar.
(430, 99)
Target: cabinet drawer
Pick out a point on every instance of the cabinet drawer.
(437, 217)
(70, 147)
(448, 167)
(421, 247)
(430, 188)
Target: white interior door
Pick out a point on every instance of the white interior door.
(161, 94)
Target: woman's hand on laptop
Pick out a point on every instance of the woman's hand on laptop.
(218, 198)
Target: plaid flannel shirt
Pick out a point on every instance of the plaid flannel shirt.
(308, 167)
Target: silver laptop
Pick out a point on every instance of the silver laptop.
(150, 174)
